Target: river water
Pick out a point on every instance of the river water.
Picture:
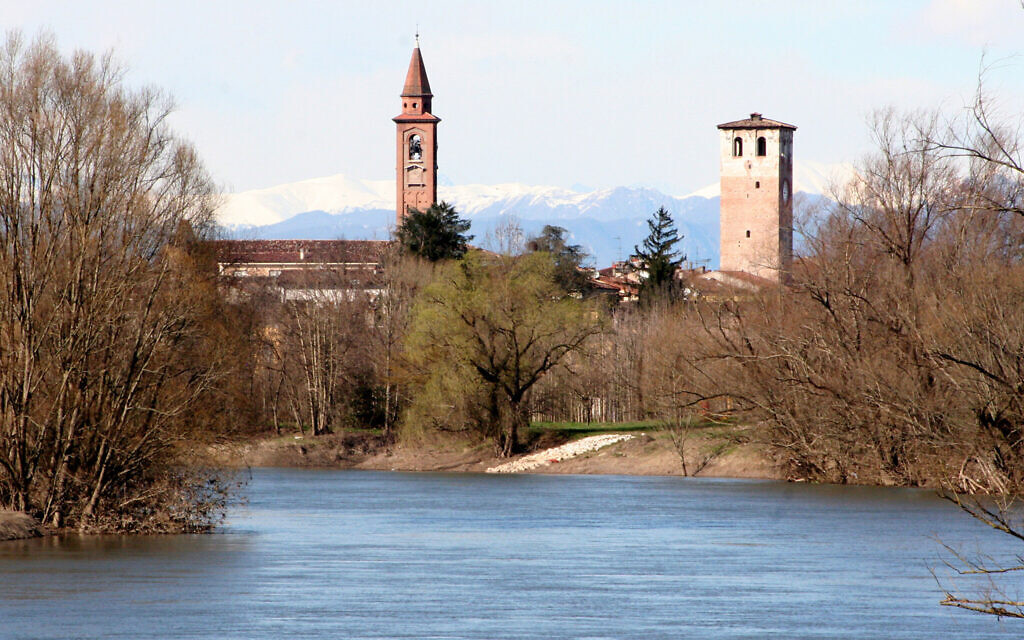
(345, 554)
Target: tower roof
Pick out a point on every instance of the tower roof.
(755, 121)
(416, 83)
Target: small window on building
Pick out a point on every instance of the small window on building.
(414, 105)
(757, 184)
(405, 104)
(748, 233)
(737, 147)
(762, 146)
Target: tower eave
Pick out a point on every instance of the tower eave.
(415, 118)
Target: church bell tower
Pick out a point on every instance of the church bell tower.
(416, 169)
(757, 197)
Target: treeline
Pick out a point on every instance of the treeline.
(893, 353)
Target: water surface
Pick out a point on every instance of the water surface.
(345, 554)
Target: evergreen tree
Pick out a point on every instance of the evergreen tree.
(658, 257)
(435, 234)
(568, 257)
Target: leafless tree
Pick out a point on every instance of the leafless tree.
(102, 299)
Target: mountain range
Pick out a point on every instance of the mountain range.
(606, 223)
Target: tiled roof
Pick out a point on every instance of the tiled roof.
(623, 285)
(416, 83)
(755, 121)
(412, 117)
(299, 251)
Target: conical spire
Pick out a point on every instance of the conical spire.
(416, 83)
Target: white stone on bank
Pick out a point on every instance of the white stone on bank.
(557, 454)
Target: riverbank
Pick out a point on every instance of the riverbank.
(708, 453)
(15, 525)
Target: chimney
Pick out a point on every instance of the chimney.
(755, 116)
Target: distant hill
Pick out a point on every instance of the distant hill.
(607, 223)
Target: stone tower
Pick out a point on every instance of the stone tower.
(416, 170)
(757, 197)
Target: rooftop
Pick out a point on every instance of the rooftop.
(299, 251)
(416, 83)
(756, 121)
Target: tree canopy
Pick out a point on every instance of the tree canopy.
(568, 257)
(435, 234)
(484, 332)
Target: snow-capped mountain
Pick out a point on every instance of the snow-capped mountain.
(607, 223)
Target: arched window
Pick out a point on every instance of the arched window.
(415, 147)
(737, 147)
(762, 146)
(748, 233)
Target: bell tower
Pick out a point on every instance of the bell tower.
(757, 197)
(416, 169)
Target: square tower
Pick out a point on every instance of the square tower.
(757, 197)
(416, 166)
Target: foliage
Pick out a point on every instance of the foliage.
(568, 258)
(483, 333)
(435, 234)
(659, 258)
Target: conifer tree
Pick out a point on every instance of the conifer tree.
(435, 234)
(658, 257)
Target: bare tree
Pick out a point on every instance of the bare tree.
(102, 300)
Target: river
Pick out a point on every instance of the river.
(347, 554)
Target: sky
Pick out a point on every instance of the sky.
(571, 93)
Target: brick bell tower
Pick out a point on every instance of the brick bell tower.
(416, 169)
(757, 197)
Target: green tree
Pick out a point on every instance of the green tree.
(435, 234)
(498, 325)
(658, 257)
(568, 257)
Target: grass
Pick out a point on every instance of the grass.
(576, 429)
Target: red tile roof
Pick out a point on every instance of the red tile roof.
(299, 251)
(416, 83)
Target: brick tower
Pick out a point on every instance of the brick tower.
(416, 170)
(757, 197)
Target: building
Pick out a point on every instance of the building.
(314, 270)
(416, 167)
(757, 200)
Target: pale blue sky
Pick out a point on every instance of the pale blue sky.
(545, 92)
